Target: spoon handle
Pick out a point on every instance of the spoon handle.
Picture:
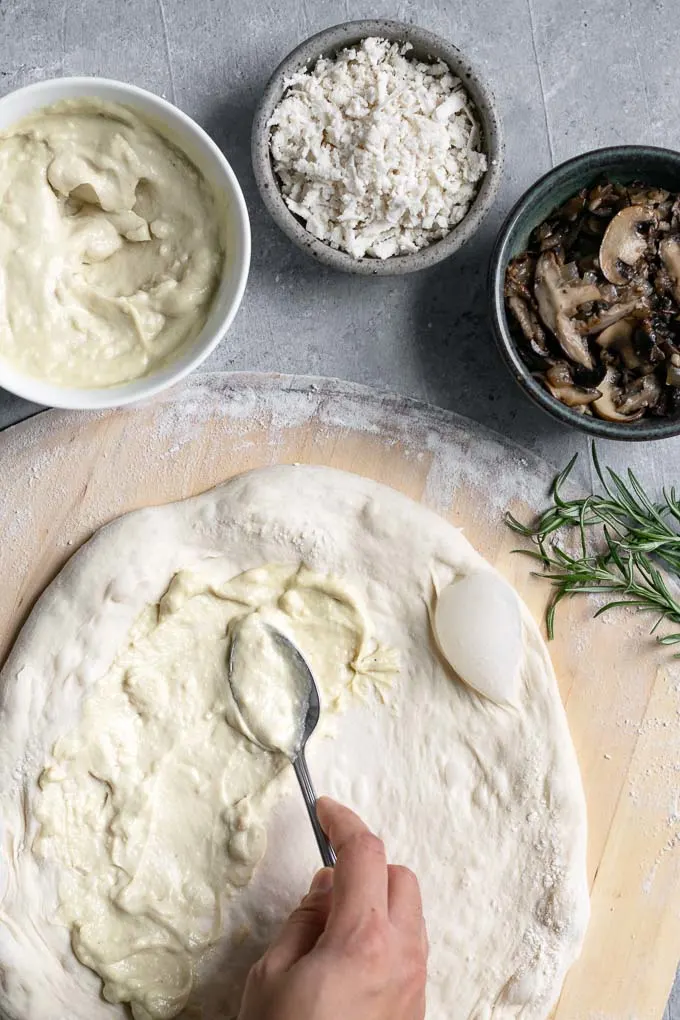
(304, 779)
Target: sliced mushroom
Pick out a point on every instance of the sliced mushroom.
(554, 235)
(607, 317)
(559, 293)
(673, 371)
(573, 207)
(606, 406)
(675, 214)
(614, 334)
(572, 343)
(651, 336)
(604, 198)
(624, 242)
(530, 325)
(519, 276)
(640, 395)
(560, 382)
(619, 337)
(640, 195)
(669, 250)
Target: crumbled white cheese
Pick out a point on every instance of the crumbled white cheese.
(377, 153)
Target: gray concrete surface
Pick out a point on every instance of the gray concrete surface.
(569, 76)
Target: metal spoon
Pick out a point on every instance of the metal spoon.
(312, 713)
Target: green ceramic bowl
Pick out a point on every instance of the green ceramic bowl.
(622, 163)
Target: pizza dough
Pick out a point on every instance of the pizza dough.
(483, 801)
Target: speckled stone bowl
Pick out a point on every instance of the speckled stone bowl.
(622, 163)
(426, 46)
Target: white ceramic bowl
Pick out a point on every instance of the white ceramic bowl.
(183, 132)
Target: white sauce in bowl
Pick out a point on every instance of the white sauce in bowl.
(110, 247)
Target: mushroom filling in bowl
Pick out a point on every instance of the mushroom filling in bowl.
(595, 302)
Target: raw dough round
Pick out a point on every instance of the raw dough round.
(483, 801)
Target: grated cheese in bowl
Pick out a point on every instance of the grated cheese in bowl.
(377, 153)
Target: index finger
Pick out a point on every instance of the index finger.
(360, 882)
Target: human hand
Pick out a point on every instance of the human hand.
(355, 948)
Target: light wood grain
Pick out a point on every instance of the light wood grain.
(65, 474)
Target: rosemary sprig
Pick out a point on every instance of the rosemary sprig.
(621, 532)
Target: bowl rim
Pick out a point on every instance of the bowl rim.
(337, 37)
(45, 393)
(646, 429)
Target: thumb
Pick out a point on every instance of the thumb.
(305, 925)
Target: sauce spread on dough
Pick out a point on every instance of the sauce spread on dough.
(154, 807)
(110, 247)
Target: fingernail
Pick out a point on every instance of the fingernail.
(321, 804)
(322, 881)
(324, 809)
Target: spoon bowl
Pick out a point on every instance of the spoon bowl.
(305, 684)
(303, 673)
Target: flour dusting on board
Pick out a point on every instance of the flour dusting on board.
(462, 453)
(503, 473)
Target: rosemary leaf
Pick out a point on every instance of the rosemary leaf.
(624, 539)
